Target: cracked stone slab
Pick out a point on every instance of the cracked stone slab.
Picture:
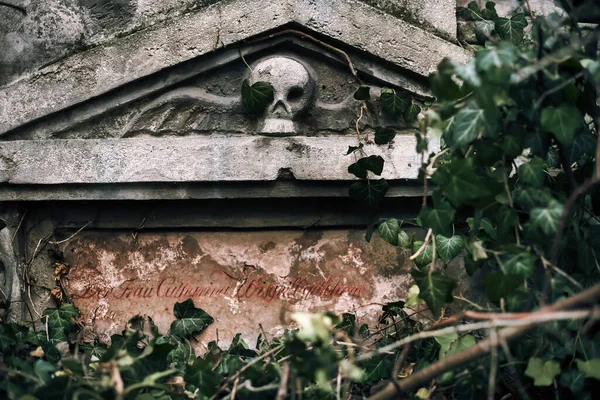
(194, 159)
(110, 65)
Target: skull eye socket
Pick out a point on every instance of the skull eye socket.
(295, 94)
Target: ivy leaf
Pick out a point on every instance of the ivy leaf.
(384, 135)
(483, 224)
(543, 373)
(201, 377)
(457, 345)
(496, 58)
(411, 113)
(519, 262)
(412, 298)
(562, 122)
(426, 255)
(547, 219)
(388, 230)
(394, 104)
(499, 285)
(369, 232)
(347, 324)
(256, 98)
(362, 93)
(370, 192)
(532, 172)
(352, 149)
(60, 320)
(435, 288)
(590, 368)
(448, 248)
(439, 219)
(404, 239)
(190, 320)
(583, 144)
(470, 123)
(573, 380)
(371, 163)
(512, 28)
(506, 218)
(460, 182)
(7, 337)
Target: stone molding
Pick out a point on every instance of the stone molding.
(194, 159)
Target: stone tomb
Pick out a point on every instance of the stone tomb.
(142, 171)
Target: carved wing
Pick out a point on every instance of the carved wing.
(188, 110)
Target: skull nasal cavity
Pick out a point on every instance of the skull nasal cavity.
(281, 105)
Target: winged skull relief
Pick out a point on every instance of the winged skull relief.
(294, 109)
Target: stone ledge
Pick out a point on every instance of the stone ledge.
(195, 159)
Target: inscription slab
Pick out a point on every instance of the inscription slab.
(242, 279)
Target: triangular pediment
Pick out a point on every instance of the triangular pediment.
(314, 81)
(110, 67)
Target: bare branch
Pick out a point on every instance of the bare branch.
(588, 297)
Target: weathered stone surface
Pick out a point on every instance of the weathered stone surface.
(509, 7)
(242, 279)
(110, 65)
(192, 159)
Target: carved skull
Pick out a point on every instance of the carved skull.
(294, 89)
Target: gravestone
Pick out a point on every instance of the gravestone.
(136, 165)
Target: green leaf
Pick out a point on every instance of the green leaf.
(512, 28)
(412, 298)
(547, 219)
(499, 285)
(60, 321)
(388, 230)
(426, 255)
(256, 98)
(439, 218)
(457, 345)
(470, 123)
(370, 163)
(44, 370)
(200, 376)
(7, 337)
(460, 182)
(496, 58)
(362, 93)
(190, 320)
(562, 122)
(590, 368)
(448, 248)
(369, 232)
(483, 224)
(352, 149)
(394, 104)
(384, 135)
(573, 380)
(370, 192)
(519, 262)
(532, 172)
(404, 239)
(347, 324)
(583, 144)
(411, 113)
(542, 372)
(435, 289)
(506, 218)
